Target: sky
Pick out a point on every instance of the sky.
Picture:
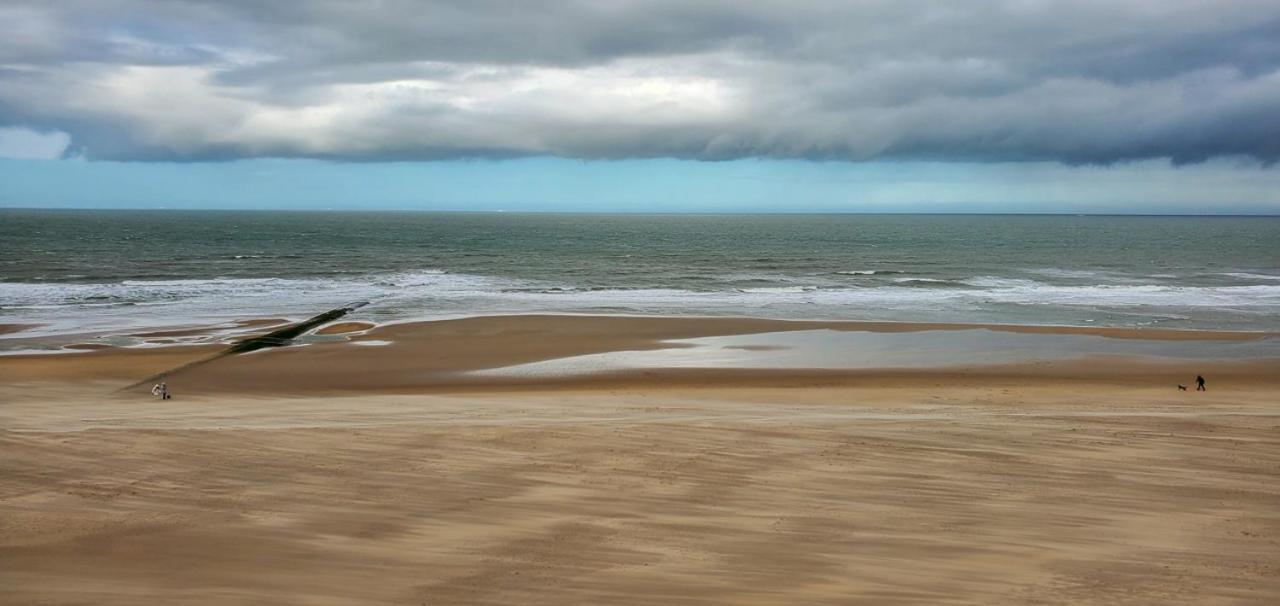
(1122, 106)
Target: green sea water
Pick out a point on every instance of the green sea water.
(81, 270)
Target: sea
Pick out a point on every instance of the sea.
(77, 271)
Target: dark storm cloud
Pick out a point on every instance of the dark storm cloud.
(1076, 82)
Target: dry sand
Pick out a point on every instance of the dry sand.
(1059, 484)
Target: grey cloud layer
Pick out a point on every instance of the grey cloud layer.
(1078, 82)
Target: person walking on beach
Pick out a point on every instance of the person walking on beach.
(1200, 383)
(160, 390)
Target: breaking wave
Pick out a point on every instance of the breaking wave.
(437, 293)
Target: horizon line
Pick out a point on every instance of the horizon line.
(632, 212)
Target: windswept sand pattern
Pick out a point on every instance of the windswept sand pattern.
(763, 496)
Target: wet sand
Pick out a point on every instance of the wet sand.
(445, 355)
(6, 329)
(289, 477)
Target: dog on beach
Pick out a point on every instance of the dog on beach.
(1182, 387)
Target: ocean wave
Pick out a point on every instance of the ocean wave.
(1078, 274)
(868, 272)
(997, 282)
(562, 290)
(1018, 290)
(433, 292)
(441, 285)
(972, 293)
(1250, 275)
(924, 281)
(739, 279)
(779, 289)
(20, 294)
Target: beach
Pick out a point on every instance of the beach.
(421, 303)
(546, 459)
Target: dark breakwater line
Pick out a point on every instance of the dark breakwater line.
(276, 338)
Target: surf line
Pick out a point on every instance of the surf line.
(276, 338)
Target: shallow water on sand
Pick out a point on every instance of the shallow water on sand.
(839, 349)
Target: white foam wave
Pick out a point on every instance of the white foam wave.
(1078, 274)
(441, 286)
(982, 292)
(434, 293)
(868, 272)
(996, 282)
(1014, 290)
(1250, 275)
(921, 281)
(779, 289)
(78, 305)
(17, 294)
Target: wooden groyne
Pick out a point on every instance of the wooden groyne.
(276, 338)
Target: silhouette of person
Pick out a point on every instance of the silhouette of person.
(1200, 383)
